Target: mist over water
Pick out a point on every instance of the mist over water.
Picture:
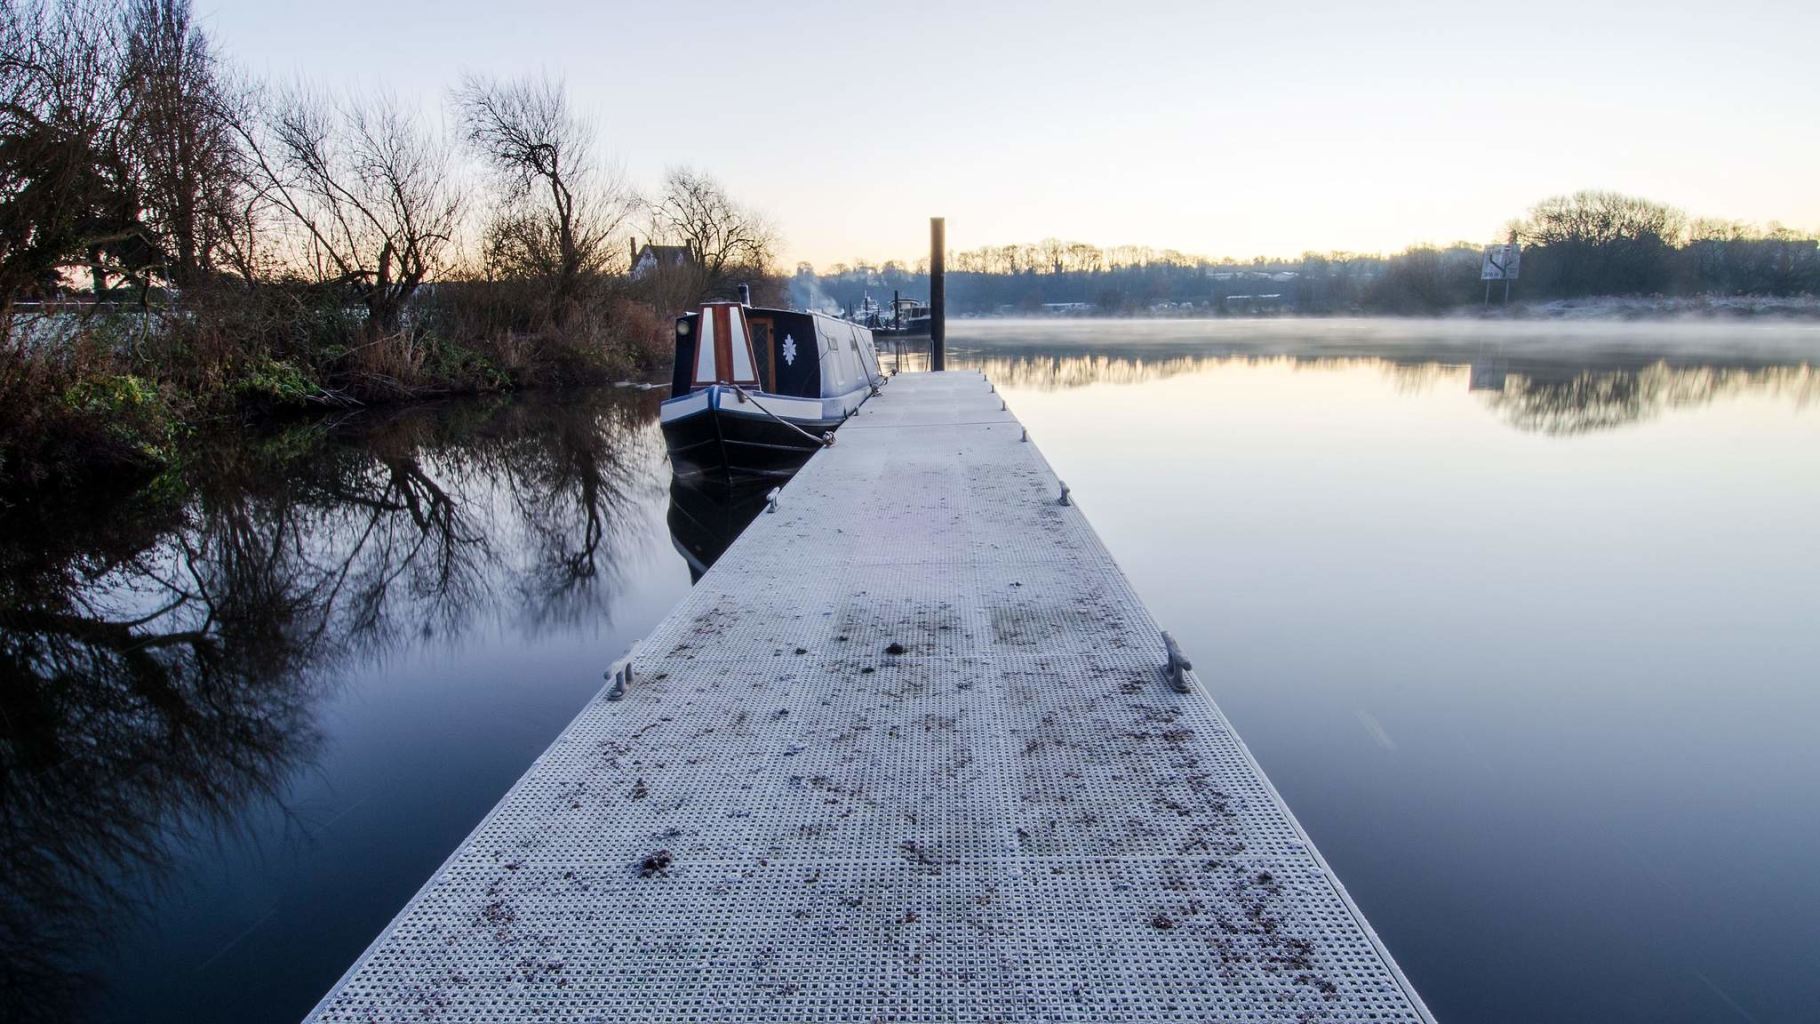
(1518, 617)
(1689, 340)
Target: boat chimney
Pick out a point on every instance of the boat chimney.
(745, 294)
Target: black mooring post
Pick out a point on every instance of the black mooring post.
(938, 297)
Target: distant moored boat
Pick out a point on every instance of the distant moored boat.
(903, 318)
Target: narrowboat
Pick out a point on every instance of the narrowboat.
(757, 391)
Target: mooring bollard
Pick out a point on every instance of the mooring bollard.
(1064, 500)
(621, 675)
(771, 499)
(938, 294)
(1177, 667)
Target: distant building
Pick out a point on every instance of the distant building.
(650, 257)
(1253, 305)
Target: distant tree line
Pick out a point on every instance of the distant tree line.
(1587, 244)
(177, 240)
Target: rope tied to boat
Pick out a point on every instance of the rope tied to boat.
(826, 440)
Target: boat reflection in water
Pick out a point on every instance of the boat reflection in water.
(706, 517)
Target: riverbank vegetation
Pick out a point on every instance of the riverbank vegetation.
(180, 244)
(1588, 244)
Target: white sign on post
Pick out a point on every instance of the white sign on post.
(1501, 262)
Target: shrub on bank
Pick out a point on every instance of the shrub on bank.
(62, 428)
(98, 390)
(277, 384)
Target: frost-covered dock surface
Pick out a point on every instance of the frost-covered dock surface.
(906, 753)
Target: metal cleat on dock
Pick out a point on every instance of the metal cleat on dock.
(1177, 667)
(619, 676)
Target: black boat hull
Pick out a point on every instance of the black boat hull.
(713, 445)
(917, 328)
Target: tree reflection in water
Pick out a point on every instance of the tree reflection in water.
(1577, 402)
(161, 659)
(1546, 397)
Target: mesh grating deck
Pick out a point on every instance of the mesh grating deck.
(1015, 819)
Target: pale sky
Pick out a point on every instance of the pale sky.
(1214, 128)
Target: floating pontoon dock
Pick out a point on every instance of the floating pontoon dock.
(908, 752)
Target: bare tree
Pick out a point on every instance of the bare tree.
(561, 210)
(1084, 257)
(67, 197)
(1603, 243)
(367, 191)
(185, 148)
(722, 237)
(1601, 217)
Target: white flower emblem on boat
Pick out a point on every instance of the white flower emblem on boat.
(789, 350)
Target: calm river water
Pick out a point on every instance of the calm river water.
(1522, 623)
